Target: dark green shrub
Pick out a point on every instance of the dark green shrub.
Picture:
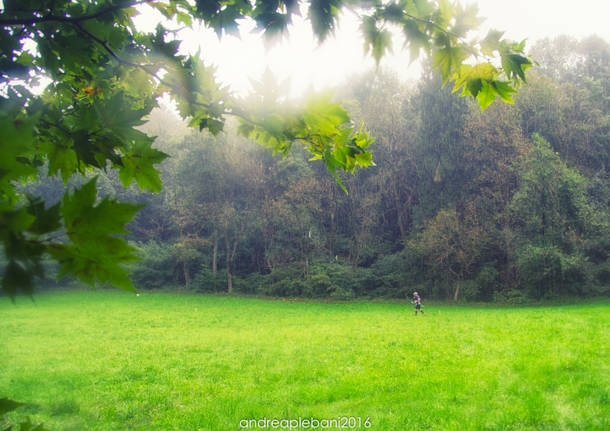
(575, 273)
(205, 281)
(602, 274)
(284, 280)
(487, 281)
(252, 283)
(540, 269)
(342, 293)
(511, 296)
(321, 284)
(470, 290)
(389, 276)
(336, 280)
(156, 267)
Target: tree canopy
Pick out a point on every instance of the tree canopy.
(104, 76)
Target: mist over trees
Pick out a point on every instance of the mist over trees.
(507, 204)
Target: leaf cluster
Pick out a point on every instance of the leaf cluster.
(439, 29)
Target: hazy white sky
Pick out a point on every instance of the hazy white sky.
(307, 64)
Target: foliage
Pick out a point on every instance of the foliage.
(567, 102)
(156, 267)
(386, 278)
(104, 76)
(540, 268)
(463, 225)
(398, 230)
(486, 283)
(451, 244)
(557, 224)
(551, 199)
(511, 297)
(206, 281)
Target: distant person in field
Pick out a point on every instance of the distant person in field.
(417, 302)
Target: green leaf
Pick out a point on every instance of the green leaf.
(45, 219)
(416, 36)
(486, 95)
(393, 12)
(505, 90)
(95, 253)
(364, 159)
(213, 125)
(17, 277)
(448, 59)
(139, 163)
(331, 165)
(245, 129)
(377, 41)
(319, 109)
(207, 8)
(17, 144)
(63, 160)
(491, 42)
(515, 65)
(85, 220)
(15, 220)
(273, 23)
(466, 19)
(226, 20)
(119, 115)
(470, 77)
(446, 10)
(323, 14)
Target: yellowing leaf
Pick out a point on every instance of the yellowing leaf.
(486, 95)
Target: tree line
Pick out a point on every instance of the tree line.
(507, 204)
(78, 77)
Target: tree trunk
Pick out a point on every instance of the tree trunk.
(229, 280)
(399, 215)
(543, 205)
(331, 237)
(401, 225)
(215, 256)
(331, 233)
(356, 256)
(187, 275)
(228, 261)
(457, 290)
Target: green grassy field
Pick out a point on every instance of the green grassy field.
(109, 360)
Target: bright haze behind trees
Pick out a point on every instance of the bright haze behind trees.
(307, 64)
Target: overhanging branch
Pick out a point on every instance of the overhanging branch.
(70, 19)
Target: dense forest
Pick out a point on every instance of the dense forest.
(507, 205)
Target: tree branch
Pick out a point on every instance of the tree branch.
(75, 19)
(104, 45)
(233, 112)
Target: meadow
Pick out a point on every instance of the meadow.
(110, 360)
